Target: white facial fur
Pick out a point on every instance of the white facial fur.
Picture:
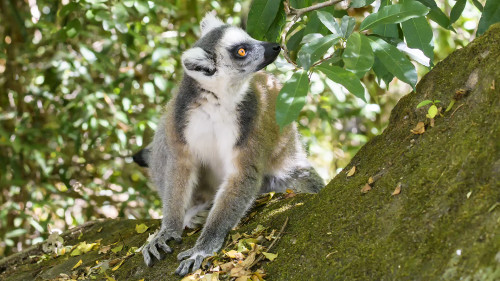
(214, 62)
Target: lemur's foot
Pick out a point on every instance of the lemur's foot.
(159, 242)
(191, 260)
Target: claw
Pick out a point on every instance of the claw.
(184, 267)
(147, 258)
(197, 262)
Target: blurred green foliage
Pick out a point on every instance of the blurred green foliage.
(83, 82)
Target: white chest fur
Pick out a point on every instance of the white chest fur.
(211, 132)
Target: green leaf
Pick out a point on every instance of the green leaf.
(433, 110)
(382, 72)
(436, 14)
(344, 78)
(394, 61)
(360, 3)
(347, 26)
(424, 103)
(386, 30)
(394, 14)
(358, 55)
(478, 5)
(260, 17)
(314, 50)
(292, 98)
(491, 15)
(329, 21)
(457, 10)
(294, 42)
(274, 30)
(418, 34)
(67, 9)
(141, 6)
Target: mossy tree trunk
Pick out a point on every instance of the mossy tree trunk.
(444, 223)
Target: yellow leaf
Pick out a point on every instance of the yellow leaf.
(270, 256)
(76, 252)
(118, 265)
(351, 171)
(117, 248)
(232, 254)
(78, 264)
(141, 228)
(370, 180)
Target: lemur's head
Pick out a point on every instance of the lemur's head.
(226, 52)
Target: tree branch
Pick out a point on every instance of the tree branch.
(297, 13)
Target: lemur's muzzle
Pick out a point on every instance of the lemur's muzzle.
(271, 51)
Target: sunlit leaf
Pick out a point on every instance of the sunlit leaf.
(329, 21)
(358, 55)
(457, 10)
(394, 61)
(314, 50)
(347, 26)
(418, 34)
(360, 3)
(260, 17)
(292, 98)
(345, 78)
(394, 14)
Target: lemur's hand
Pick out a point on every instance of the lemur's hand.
(159, 242)
(194, 257)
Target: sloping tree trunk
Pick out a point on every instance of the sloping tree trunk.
(444, 223)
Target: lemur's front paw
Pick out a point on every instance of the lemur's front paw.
(159, 242)
(194, 259)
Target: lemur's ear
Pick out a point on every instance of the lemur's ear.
(198, 60)
(209, 22)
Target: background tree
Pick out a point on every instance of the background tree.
(82, 84)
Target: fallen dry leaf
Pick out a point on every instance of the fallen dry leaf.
(118, 265)
(290, 193)
(270, 256)
(104, 249)
(227, 266)
(419, 129)
(239, 271)
(397, 190)
(370, 180)
(493, 85)
(366, 188)
(242, 278)
(351, 171)
(77, 264)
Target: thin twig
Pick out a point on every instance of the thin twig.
(272, 244)
(456, 109)
(297, 13)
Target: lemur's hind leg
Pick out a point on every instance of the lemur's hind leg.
(300, 179)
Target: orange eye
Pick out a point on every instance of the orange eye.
(242, 52)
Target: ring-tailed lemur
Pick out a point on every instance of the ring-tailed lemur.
(218, 144)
